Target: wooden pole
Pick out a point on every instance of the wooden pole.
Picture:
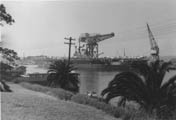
(69, 43)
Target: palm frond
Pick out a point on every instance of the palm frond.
(144, 86)
(128, 84)
(171, 81)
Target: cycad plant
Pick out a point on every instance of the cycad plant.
(144, 85)
(61, 74)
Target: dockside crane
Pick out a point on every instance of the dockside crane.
(154, 47)
(90, 42)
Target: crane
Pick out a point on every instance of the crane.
(154, 47)
(90, 42)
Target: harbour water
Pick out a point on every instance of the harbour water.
(91, 80)
(95, 80)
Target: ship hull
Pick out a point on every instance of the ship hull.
(101, 67)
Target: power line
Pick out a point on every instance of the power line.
(159, 30)
(153, 26)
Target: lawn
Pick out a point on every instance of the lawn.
(23, 104)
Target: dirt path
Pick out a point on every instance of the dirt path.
(23, 104)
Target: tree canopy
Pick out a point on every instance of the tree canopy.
(9, 55)
(4, 16)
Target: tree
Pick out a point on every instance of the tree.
(145, 86)
(9, 55)
(8, 63)
(5, 71)
(60, 74)
(4, 16)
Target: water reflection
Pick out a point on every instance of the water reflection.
(94, 80)
(89, 81)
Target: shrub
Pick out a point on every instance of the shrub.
(140, 114)
(35, 87)
(126, 113)
(18, 80)
(84, 99)
(60, 93)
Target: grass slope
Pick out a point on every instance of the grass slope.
(23, 104)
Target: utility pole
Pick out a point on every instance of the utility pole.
(124, 54)
(69, 43)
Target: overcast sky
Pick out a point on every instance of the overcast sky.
(41, 26)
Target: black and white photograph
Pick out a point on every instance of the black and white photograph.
(88, 59)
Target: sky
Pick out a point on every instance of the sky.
(41, 26)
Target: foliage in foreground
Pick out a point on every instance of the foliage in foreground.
(60, 74)
(4, 87)
(126, 113)
(60, 93)
(145, 86)
(86, 100)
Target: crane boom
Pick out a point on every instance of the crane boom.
(104, 37)
(153, 44)
(94, 38)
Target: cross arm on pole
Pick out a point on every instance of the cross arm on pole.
(70, 38)
(69, 43)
